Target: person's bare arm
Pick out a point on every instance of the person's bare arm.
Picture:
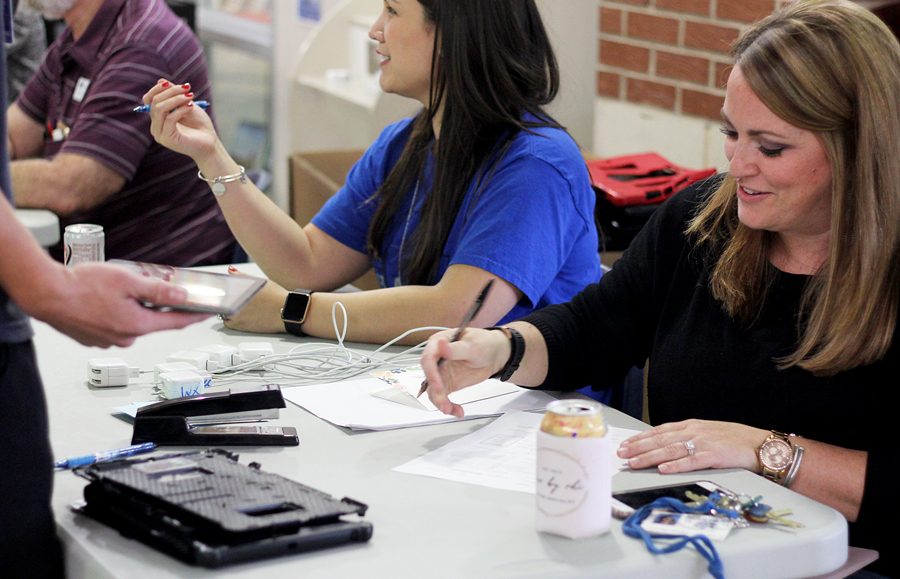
(376, 316)
(25, 136)
(290, 255)
(832, 475)
(829, 474)
(478, 354)
(67, 184)
(97, 304)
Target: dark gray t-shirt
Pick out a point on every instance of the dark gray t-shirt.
(24, 53)
(14, 326)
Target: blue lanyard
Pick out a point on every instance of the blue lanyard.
(632, 528)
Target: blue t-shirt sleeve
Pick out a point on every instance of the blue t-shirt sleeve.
(527, 224)
(347, 214)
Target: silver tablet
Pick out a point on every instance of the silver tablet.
(217, 293)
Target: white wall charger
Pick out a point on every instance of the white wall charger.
(195, 358)
(170, 367)
(220, 356)
(250, 351)
(183, 383)
(106, 372)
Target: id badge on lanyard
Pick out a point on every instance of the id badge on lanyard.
(81, 88)
(61, 130)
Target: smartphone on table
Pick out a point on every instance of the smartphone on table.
(624, 503)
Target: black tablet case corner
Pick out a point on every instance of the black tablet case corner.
(207, 509)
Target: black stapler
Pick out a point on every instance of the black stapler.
(193, 421)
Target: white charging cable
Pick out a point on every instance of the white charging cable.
(316, 362)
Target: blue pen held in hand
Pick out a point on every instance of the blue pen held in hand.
(104, 456)
(146, 108)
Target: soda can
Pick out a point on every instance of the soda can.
(83, 243)
(573, 485)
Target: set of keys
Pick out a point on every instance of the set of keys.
(757, 512)
(743, 510)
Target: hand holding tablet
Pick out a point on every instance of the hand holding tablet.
(210, 292)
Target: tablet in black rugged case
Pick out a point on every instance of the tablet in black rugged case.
(207, 509)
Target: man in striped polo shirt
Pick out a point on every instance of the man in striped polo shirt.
(80, 151)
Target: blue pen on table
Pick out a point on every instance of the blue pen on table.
(146, 108)
(104, 456)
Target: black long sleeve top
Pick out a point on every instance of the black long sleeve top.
(656, 304)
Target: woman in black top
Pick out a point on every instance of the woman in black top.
(767, 300)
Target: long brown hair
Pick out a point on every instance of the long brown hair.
(831, 67)
(492, 65)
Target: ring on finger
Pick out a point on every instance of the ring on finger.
(689, 446)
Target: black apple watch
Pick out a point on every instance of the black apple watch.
(293, 313)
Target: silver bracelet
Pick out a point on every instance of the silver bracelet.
(795, 466)
(217, 184)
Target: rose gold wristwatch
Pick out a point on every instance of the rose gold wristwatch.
(776, 455)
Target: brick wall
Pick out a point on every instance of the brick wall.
(671, 54)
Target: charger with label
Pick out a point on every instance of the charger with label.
(183, 383)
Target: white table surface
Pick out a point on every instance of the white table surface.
(43, 224)
(422, 526)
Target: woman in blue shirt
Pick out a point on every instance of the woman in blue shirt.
(482, 184)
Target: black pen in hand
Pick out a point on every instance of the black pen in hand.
(467, 319)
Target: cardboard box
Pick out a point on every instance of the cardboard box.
(316, 176)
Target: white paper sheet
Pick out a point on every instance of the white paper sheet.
(351, 404)
(402, 386)
(501, 455)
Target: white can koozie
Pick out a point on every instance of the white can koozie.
(573, 485)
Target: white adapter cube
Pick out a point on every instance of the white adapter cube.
(195, 358)
(250, 351)
(105, 372)
(220, 356)
(183, 383)
(170, 367)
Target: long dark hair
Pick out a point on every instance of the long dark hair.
(492, 65)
